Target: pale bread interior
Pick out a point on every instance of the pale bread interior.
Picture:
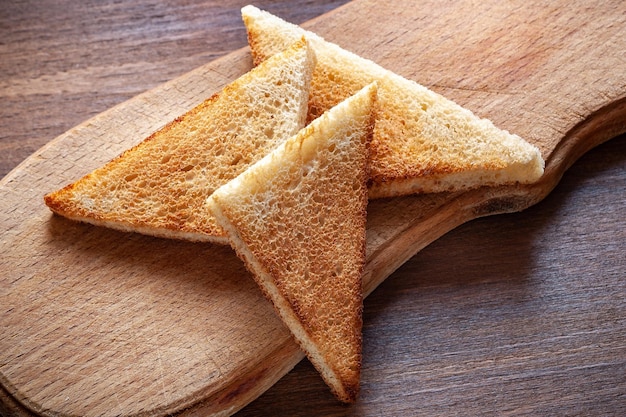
(422, 141)
(159, 186)
(297, 218)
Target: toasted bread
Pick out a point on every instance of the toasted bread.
(422, 141)
(159, 186)
(297, 219)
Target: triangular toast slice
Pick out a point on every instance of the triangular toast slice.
(297, 219)
(159, 186)
(422, 141)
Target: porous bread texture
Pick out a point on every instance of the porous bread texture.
(422, 141)
(297, 218)
(159, 186)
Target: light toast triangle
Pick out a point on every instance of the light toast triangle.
(159, 186)
(422, 141)
(297, 219)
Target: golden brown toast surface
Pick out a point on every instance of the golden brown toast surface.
(297, 218)
(159, 186)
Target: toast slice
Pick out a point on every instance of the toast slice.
(422, 141)
(159, 186)
(297, 219)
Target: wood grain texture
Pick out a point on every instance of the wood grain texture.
(517, 314)
(63, 62)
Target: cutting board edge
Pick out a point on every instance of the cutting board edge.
(248, 387)
(11, 406)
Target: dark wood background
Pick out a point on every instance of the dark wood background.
(520, 314)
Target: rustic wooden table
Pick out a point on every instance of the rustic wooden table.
(519, 314)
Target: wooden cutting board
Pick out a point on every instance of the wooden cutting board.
(97, 322)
